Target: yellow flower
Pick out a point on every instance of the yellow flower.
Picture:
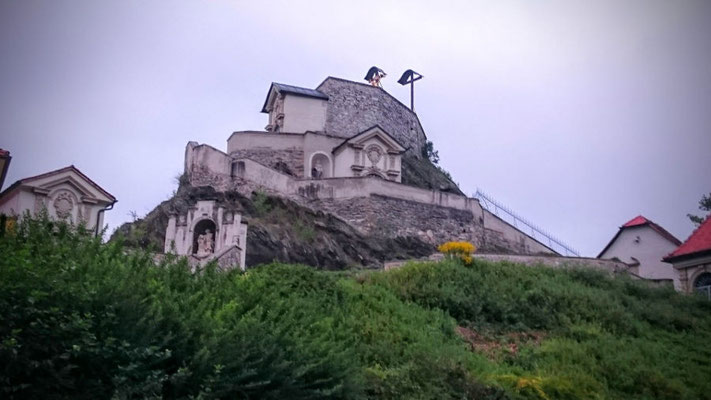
(458, 250)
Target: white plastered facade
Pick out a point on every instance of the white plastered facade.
(646, 246)
(65, 194)
(373, 152)
(228, 232)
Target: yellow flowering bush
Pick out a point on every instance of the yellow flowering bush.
(458, 250)
(10, 225)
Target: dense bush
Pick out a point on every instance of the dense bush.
(82, 319)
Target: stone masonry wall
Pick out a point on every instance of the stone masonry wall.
(382, 208)
(354, 107)
(390, 217)
(290, 162)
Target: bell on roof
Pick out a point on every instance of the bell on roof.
(374, 76)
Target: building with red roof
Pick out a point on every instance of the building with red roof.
(692, 260)
(641, 243)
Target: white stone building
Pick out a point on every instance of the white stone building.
(692, 261)
(299, 142)
(208, 232)
(642, 244)
(65, 193)
(341, 148)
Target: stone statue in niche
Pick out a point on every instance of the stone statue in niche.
(206, 244)
(317, 170)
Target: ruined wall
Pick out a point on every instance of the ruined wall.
(354, 107)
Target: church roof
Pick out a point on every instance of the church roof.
(295, 90)
(71, 168)
(699, 242)
(642, 221)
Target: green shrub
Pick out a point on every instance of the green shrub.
(607, 337)
(85, 320)
(82, 319)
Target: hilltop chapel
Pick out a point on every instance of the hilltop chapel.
(344, 148)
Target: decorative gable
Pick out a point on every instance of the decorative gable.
(372, 152)
(65, 193)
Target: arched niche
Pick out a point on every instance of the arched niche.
(320, 166)
(204, 234)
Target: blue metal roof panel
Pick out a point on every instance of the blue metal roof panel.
(301, 91)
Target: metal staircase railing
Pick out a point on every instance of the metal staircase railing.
(524, 225)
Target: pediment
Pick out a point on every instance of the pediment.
(68, 178)
(74, 185)
(375, 133)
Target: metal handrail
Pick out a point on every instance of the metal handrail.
(487, 202)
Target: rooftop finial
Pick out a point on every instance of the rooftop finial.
(374, 76)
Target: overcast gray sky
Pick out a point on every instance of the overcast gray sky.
(579, 115)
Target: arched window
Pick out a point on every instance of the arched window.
(702, 284)
(204, 238)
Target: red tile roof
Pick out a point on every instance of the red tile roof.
(698, 242)
(638, 220)
(641, 221)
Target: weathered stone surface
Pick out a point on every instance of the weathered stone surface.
(290, 162)
(281, 230)
(390, 217)
(354, 107)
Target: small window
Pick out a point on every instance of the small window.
(237, 169)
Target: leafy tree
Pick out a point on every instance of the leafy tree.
(704, 205)
(430, 153)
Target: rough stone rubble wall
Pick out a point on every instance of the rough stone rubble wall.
(289, 161)
(355, 107)
(390, 217)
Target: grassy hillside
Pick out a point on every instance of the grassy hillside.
(82, 319)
